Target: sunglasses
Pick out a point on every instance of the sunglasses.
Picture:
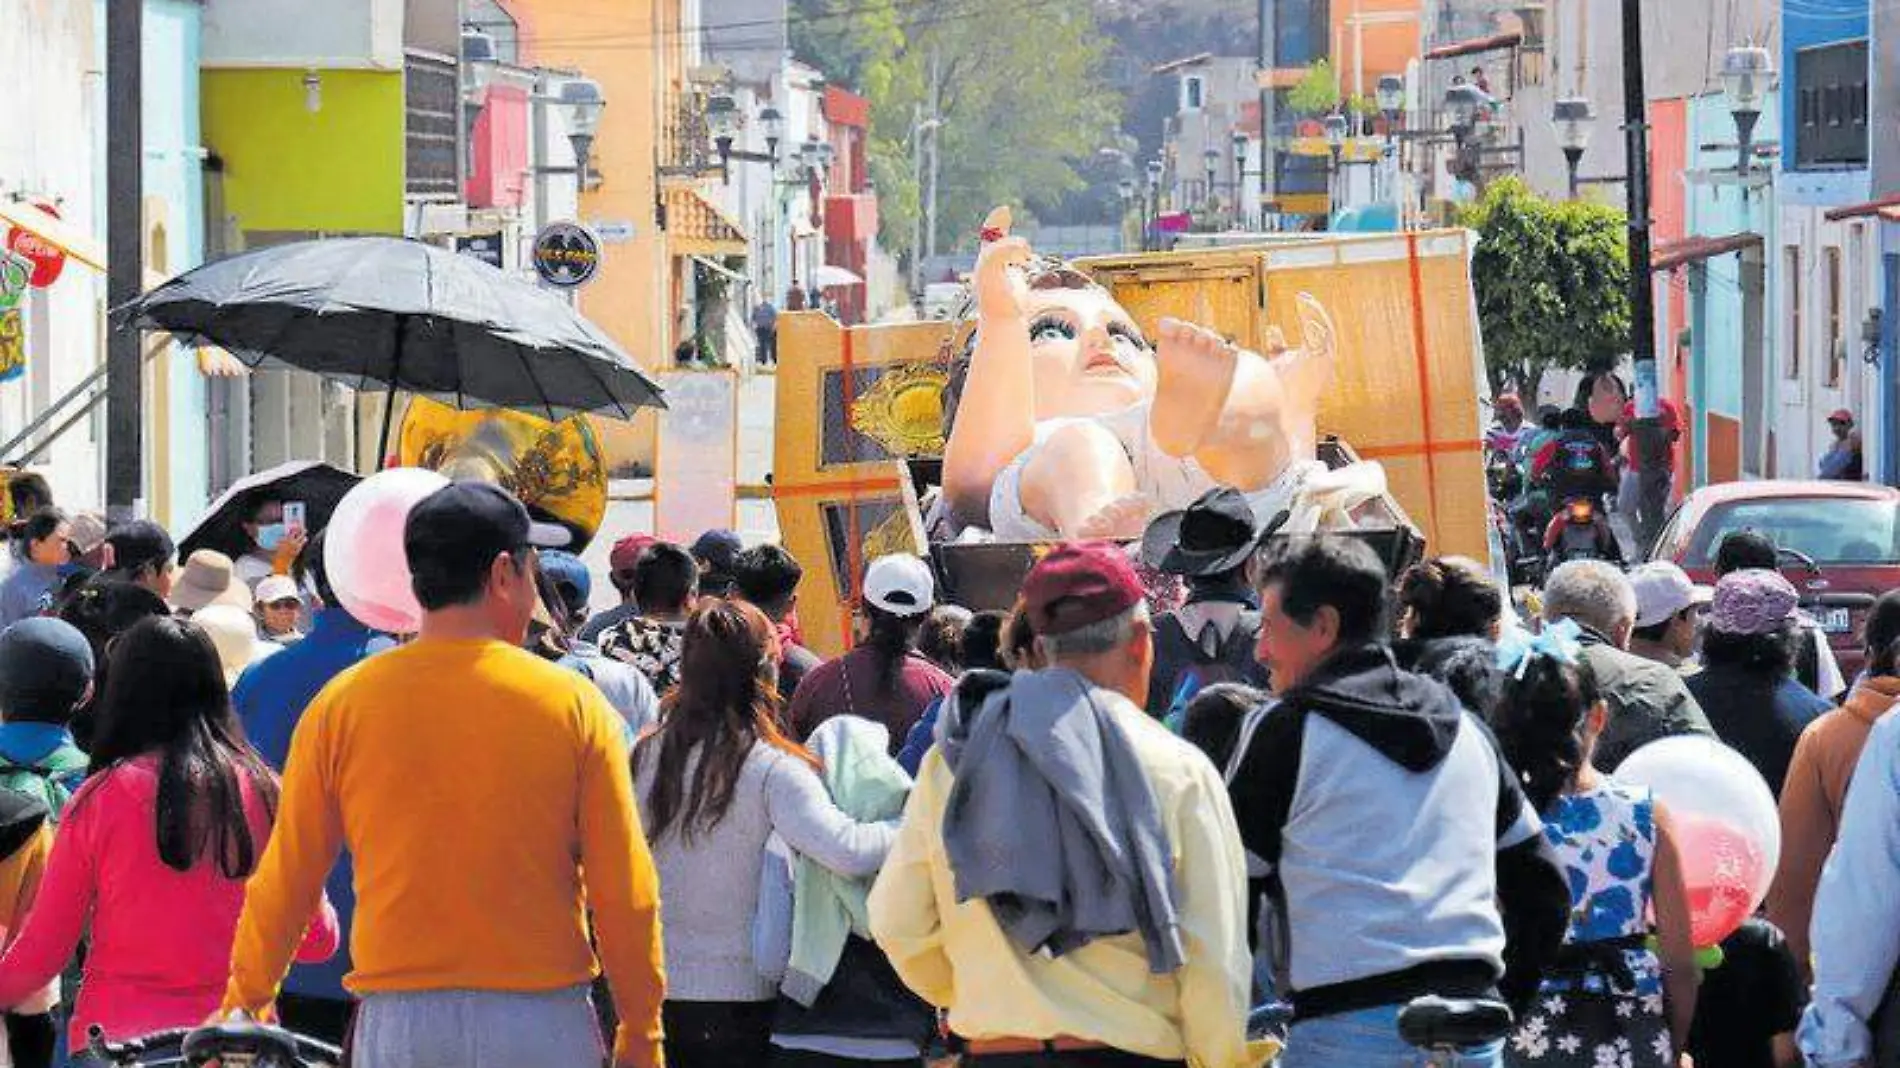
(285, 603)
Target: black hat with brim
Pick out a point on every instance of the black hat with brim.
(1212, 536)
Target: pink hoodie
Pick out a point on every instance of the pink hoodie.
(160, 941)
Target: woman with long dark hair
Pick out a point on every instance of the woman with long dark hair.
(154, 849)
(885, 679)
(1608, 989)
(41, 546)
(715, 782)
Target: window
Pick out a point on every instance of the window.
(1831, 106)
(1836, 343)
(1192, 90)
(1791, 270)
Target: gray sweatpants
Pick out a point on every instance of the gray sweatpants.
(477, 1029)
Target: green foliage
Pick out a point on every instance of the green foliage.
(1317, 92)
(1552, 283)
(1024, 100)
(1361, 105)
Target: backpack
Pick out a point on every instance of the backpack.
(1231, 661)
(51, 780)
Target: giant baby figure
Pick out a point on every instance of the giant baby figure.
(1070, 424)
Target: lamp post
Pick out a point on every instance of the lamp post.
(1747, 72)
(1572, 117)
(1151, 241)
(1336, 143)
(1463, 102)
(1240, 178)
(1390, 96)
(582, 101)
(724, 120)
(1125, 192)
(1210, 158)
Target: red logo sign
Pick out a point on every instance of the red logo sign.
(48, 259)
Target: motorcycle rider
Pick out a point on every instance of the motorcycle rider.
(1575, 463)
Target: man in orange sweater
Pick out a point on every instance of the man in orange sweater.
(485, 797)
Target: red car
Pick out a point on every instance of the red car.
(1840, 545)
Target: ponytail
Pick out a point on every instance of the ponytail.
(1539, 723)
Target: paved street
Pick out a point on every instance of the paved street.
(630, 507)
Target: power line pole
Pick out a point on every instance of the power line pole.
(936, 158)
(1265, 43)
(917, 225)
(125, 239)
(1636, 131)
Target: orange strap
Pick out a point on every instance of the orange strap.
(1422, 358)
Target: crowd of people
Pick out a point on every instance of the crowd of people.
(1258, 818)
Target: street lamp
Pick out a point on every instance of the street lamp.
(582, 102)
(724, 120)
(1572, 117)
(1336, 142)
(1149, 237)
(1747, 71)
(1390, 96)
(1464, 101)
(774, 125)
(1240, 140)
(1210, 156)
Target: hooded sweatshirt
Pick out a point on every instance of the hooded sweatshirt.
(1373, 794)
(1812, 799)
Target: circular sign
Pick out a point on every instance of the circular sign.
(566, 255)
(48, 259)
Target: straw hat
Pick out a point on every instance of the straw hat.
(208, 578)
(235, 634)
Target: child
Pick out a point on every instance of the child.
(45, 675)
(1747, 1009)
(1070, 424)
(1604, 1002)
(279, 610)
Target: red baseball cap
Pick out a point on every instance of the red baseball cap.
(628, 551)
(1080, 584)
(1840, 415)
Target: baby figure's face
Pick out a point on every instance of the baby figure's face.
(1089, 356)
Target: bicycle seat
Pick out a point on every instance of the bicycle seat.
(241, 1042)
(1434, 1023)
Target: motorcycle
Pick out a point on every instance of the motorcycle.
(1580, 531)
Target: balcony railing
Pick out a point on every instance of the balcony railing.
(686, 148)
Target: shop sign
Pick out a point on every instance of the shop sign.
(566, 255)
(12, 345)
(16, 275)
(47, 258)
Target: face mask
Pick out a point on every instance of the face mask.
(270, 536)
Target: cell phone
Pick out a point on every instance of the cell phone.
(295, 517)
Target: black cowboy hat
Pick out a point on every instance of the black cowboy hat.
(1215, 534)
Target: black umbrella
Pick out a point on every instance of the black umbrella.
(388, 313)
(317, 485)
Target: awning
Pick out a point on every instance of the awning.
(695, 226)
(1891, 215)
(721, 270)
(60, 233)
(1497, 42)
(1861, 211)
(1696, 249)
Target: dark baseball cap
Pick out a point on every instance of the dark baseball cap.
(45, 666)
(463, 526)
(716, 550)
(570, 578)
(1080, 584)
(140, 544)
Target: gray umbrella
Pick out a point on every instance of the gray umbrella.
(386, 313)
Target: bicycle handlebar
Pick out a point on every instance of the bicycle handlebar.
(196, 1045)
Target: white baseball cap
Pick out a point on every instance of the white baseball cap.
(900, 584)
(276, 588)
(1662, 590)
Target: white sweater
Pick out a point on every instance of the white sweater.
(709, 882)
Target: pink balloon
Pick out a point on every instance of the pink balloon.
(1721, 865)
(363, 552)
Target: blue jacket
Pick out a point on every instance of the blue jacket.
(270, 697)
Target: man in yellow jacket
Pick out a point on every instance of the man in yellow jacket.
(486, 800)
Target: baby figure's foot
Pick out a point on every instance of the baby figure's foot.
(1196, 369)
(1122, 519)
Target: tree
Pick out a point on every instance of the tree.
(1317, 92)
(1552, 283)
(1024, 101)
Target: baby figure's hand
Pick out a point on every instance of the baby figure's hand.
(1001, 290)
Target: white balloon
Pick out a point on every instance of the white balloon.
(363, 552)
